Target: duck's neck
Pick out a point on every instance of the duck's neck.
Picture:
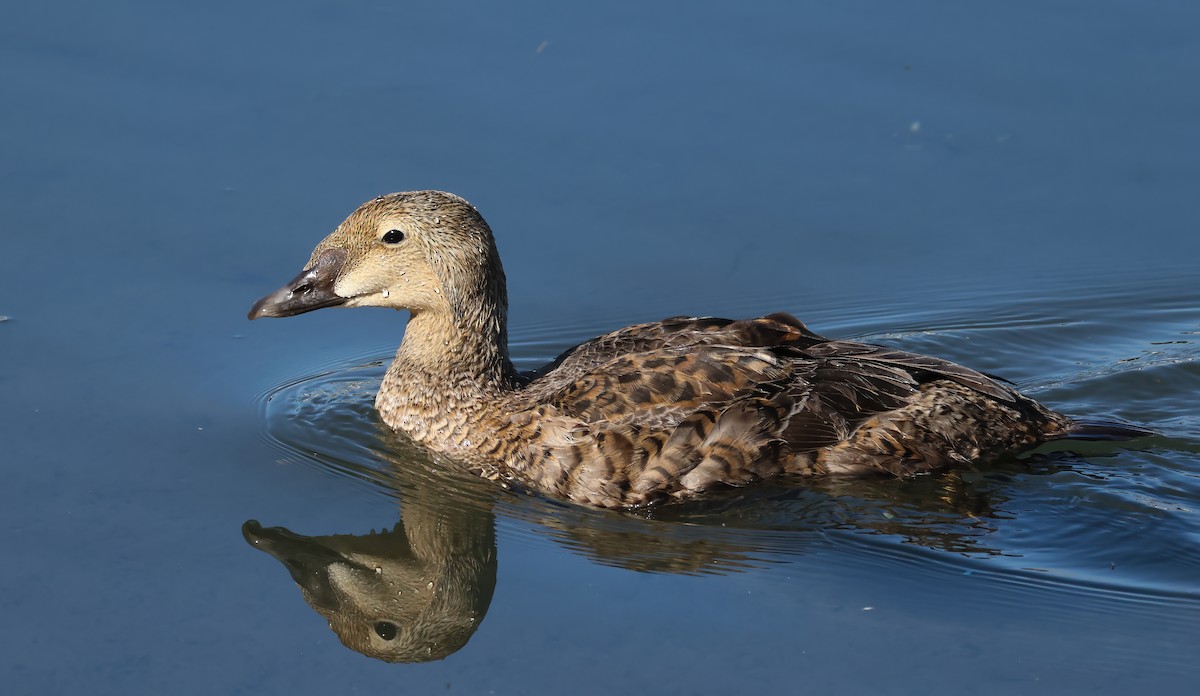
(448, 371)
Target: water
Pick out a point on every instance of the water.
(1011, 187)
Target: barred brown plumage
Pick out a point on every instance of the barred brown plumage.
(649, 412)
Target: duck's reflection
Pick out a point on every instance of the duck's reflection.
(414, 593)
(419, 591)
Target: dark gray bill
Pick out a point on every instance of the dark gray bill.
(312, 289)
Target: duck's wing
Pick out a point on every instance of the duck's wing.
(692, 361)
(676, 332)
(676, 419)
(923, 368)
(627, 430)
(674, 379)
(680, 420)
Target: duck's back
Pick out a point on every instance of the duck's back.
(676, 407)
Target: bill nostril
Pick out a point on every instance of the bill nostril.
(301, 289)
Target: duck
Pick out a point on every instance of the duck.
(650, 413)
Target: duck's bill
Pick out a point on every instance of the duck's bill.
(312, 289)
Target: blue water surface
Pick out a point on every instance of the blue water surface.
(1011, 186)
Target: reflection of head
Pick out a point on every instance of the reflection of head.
(389, 596)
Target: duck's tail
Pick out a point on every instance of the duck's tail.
(1104, 430)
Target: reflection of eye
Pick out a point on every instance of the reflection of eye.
(393, 237)
(385, 630)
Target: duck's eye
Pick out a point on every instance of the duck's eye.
(393, 237)
(385, 630)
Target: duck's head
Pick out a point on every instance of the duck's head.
(424, 251)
